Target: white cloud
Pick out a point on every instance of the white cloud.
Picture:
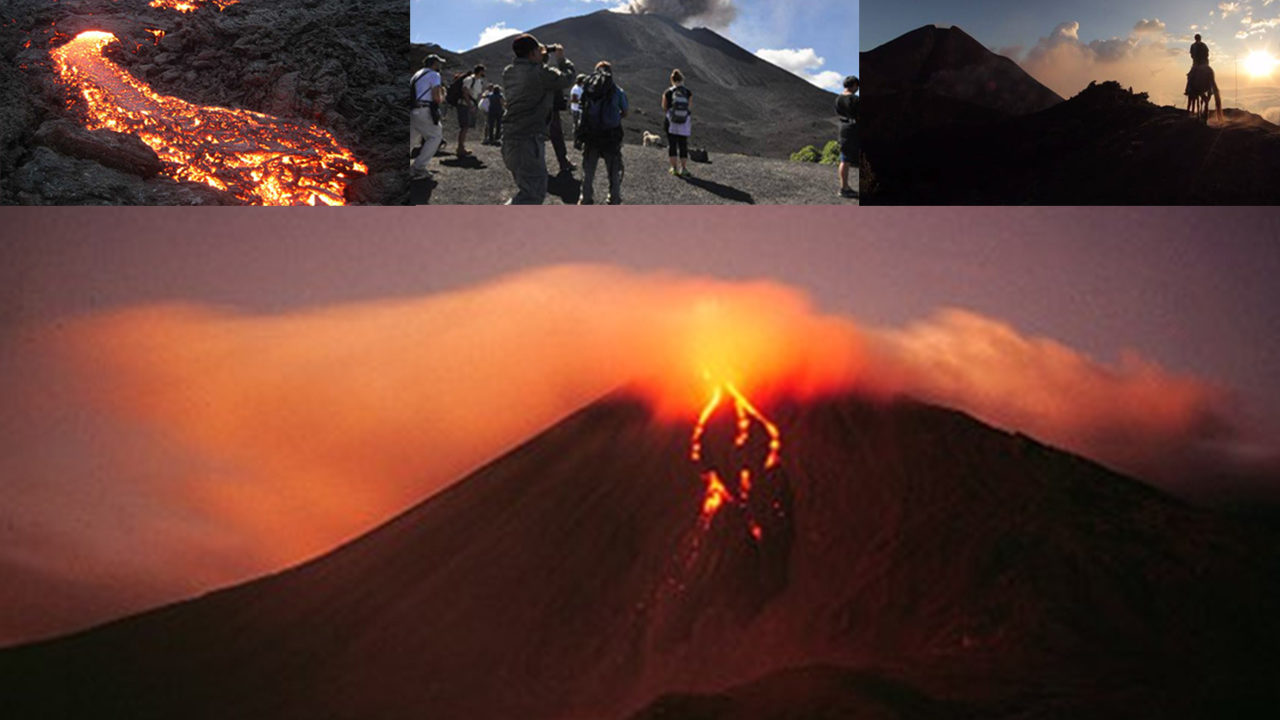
(1145, 26)
(806, 63)
(496, 32)
(1228, 8)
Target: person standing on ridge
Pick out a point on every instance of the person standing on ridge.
(575, 102)
(847, 108)
(468, 106)
(425, 126)
(493, 129)
(531, 85)
(679, 123)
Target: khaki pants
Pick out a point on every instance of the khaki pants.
(526, 158)
(422, 130)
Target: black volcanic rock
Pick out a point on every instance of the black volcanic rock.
(741, 104)
(964, 566)
(112, 149)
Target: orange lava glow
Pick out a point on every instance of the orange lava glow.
(260, 159)
(189, 6)
(717, 494)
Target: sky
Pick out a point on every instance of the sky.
(815, 39)
(195, 398)
(1141, 43)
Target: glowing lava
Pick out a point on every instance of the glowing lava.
(189, 6)
(260, 159)
(717, 493)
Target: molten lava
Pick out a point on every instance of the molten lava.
(189, 6)
(260, 159)
(717, 493)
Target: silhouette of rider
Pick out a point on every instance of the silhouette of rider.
(1201, 78)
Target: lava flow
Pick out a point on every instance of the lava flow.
(260, 159)
(188, 6)
(718, 493)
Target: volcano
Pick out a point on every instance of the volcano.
(742, 104)
(946, 121)
(912, 562)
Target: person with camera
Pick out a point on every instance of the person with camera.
(531, 83)
(425, 126)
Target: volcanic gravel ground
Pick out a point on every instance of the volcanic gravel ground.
(726, 180)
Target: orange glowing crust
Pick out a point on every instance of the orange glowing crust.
(156, 33)
(260, 159)
(188, 6)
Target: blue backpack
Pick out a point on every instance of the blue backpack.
(600, 115)
(679, 105)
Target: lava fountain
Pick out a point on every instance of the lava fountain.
(260, 159)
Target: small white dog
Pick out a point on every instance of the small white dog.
(652, 140)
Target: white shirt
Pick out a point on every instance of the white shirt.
(575, 95)
(422, 85)
(476, 85)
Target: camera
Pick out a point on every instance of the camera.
(552, 47)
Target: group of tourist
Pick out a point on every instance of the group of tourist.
(523, 113)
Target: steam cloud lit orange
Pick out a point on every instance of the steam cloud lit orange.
(258, 440)
(258, 158)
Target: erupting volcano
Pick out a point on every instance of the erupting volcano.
(260, 159)
(924, 562)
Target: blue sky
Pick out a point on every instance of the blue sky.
(1141, 43)
(816, 39)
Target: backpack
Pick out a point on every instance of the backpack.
(679, 105)
(453, 95)
(413, 90)
(598, 118)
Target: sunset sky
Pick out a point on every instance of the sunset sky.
(815, 39)
(1142, 43)
(194, 398)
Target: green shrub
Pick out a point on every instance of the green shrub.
(831, 153)
(808, 153)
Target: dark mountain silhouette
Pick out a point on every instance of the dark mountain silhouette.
(935, 76)
(914, 562)
(742, 104)
(932, 135)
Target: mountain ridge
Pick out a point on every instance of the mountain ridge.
(567, 579)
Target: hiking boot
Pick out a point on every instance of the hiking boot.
(672, 172)
(848, 193)
(685, 173)
(582, 201)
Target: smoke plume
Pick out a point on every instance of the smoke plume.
(712, 13)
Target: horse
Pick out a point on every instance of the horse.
(1200, 86)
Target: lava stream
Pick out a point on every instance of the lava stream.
(189, 6)
(717, 493)
(260, 159)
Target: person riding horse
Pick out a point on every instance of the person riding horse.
(1200, 80)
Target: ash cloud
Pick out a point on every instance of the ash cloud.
(716, 14)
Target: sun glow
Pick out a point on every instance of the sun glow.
(1260, 64)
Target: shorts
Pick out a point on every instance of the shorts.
(466, 116)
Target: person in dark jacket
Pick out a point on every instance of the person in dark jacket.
(847, 109)
(530, 85)
(493, 130)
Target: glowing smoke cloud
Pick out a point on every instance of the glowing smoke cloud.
(713, 13)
